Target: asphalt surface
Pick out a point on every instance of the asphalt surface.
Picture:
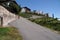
(33, 31)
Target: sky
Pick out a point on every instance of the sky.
(47, 6)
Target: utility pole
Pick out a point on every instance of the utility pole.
(52, 15)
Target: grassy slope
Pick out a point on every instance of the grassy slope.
(28, 15)
(50, 23)
(25, 15)
(9, 33)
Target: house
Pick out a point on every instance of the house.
(26, 10)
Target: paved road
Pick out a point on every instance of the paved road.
(32, 31)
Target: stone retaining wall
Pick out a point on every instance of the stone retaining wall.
(7, 15)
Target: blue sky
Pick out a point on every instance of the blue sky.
(48, 6)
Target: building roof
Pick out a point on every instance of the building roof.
(27, 8)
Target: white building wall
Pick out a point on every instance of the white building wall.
(23, 10)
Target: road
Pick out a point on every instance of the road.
(33, 31)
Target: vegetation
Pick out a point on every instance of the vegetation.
(14, 6)
(51, 23)
(28, 15)
(9, 33)
(25, 15)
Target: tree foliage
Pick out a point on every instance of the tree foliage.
(15, 7)
(12, 6)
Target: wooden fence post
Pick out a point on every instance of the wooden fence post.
(1, 21)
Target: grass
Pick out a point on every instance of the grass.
(25, 15)
(9, 33)
(28, 15)
(48, 22)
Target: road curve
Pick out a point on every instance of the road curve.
(32, 31)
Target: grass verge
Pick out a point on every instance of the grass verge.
(9, 33)
(49, 23)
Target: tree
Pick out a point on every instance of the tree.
(14, 6)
